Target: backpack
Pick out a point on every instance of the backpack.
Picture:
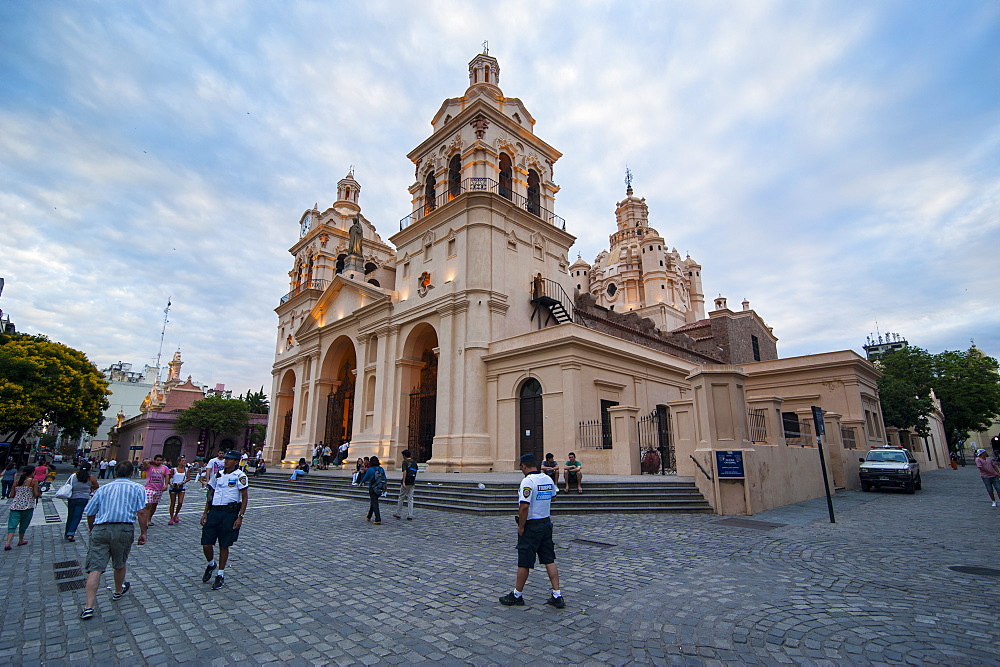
(410, 474)
(379, 484)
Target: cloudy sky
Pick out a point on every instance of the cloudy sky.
(838, 164)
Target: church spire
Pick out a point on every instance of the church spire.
(484, 70)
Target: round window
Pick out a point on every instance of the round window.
(612, 288)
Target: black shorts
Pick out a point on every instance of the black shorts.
(536, 539)
(219, 526)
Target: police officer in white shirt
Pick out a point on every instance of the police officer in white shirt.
(223, 515)
(534, 533)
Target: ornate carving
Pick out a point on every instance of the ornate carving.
(323, 238)
(455, 145)
(424, 284)
(480, 125)
(552, 169)
(416, 169)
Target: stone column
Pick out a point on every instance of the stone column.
(624, 440)
(720, 407)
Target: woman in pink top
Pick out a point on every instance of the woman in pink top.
(989, 473)
(157, 476)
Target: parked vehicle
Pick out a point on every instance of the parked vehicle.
(891, 467)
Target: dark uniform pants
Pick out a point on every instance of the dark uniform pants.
(536, 539)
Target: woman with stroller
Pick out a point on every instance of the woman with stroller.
(22, 506)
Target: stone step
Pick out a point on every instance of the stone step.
(498, 497)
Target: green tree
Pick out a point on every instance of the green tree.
(217, 415)
(257, 401)
(967, 384)
(45, 381)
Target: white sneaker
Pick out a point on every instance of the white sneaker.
(994, 503)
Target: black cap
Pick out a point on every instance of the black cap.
(232, 454)
(528, 460)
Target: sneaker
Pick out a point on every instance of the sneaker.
(557, 602)
(87, 614)
(22, 543)
(994, 503)
(409, 518)
(378, 523)
(208, 573)
(118, 596)
(396, 516)
(220, 581)
(510, 601)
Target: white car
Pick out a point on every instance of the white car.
(890, 466)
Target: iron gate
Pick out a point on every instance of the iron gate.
(656, 449)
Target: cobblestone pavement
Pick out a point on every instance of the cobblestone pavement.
(311, 582)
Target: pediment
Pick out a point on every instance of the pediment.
(342, 298)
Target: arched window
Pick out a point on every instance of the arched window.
(430, 196)
(340, 262)
(374, 282)
(487, 77)
(369, 267)
(455, 176)
(309, 274)
(506, 176)
(534, 193)
(531, 387)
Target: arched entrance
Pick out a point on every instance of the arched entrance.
(423, 410)
(340, 410)
(172, 448)
(531, 420)
(338, 378)
(283, 408)
(418, 396)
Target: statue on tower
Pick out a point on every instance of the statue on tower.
(354, 241)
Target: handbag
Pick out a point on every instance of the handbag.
(66, 490)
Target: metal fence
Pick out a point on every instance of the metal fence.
(595, 434)
(847, 435)
(757, 425)
(798, 433)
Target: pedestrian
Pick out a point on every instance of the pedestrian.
(102, 469)
(327, 453)
(157, 475)
(179, 476)
(41, 472)
(359, 470)
(954, 461)
(316, 457)
(223, 516)
(374, 477)
(406, 486)
(215, 465)
(112, 464)
(111, 514)
(260, 457)
(989, 474)
(84, 486)
(534, 533)
(22, 506)
(301, 469)
(9, 473)
(260, 469)
(342, 453)
(551, 467)
(244, 461)
(573, 473)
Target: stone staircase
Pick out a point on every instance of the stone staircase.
(497, 498)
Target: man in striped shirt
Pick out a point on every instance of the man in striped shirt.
(111, 513)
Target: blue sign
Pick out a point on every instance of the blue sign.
(729, 464)
(135, 448)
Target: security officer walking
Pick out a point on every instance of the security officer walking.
(534, 533)
(223, 515)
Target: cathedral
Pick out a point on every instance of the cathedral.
(470, 338)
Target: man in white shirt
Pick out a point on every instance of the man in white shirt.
(534, 533)
(111, 467)
(223, 515)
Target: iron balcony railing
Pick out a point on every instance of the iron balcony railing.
(482, 184)
(315, 283)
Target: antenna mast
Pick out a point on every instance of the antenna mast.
(163, 331)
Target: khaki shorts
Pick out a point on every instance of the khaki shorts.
(109, 541)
